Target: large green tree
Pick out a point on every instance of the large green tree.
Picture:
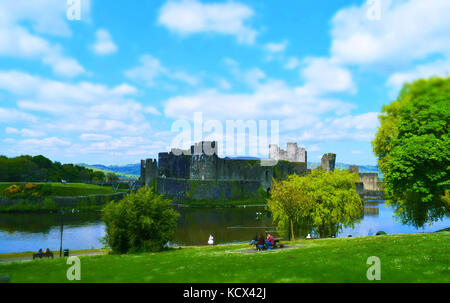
(326, 200)
(412, 145)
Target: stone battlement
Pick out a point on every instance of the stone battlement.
(293, 153)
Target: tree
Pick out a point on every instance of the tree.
(289, 202)
(142, 221)
(323, 199)
(112, 178)
(412, 145)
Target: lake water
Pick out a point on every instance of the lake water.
(29, 232)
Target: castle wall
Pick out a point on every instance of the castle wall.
(174, 166)
(370, 181)
(182, 189)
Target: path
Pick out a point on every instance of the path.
(56, 254)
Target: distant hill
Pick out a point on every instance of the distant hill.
(362, 168)
(130, 171)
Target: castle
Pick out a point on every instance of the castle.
(199, 174)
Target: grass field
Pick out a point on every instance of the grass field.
(404, 258)
(69, 189)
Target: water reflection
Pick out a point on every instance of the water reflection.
(29, 232)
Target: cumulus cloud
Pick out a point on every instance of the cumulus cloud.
(24, 132)
(292, 63)
(104, 44)
(408, 30)
(189, 17)
(82, 106)
(151, 68)
(274, 47)
(45, 17)
(324, 76)
(440, 68)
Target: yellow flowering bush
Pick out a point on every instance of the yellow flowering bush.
(12, 190)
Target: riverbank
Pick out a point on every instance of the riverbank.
(404, 259)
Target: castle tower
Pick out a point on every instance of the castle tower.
(328, 162)
(204, 161)
(274, 152)
(149, 172)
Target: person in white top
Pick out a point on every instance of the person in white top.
(211, 240)
(308, 236)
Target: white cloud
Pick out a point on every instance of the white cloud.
(436, 68)
(350, 127)
(104, 44)
(272, 100)
(323, 76)
(46, 17)
(292, 63)
(188, 17)
(151, 68)
(274, 47)
(83, 106)
(94, 137)
(408, 30)
(24, 132)
(10, 115)
(45, 143)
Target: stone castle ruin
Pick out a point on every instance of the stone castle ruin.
(293, 153)
(200, 174)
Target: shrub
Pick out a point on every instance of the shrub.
(141, 222)
(49, 204)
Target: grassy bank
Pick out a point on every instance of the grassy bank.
(404, 258)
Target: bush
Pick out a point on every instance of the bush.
(141, 222)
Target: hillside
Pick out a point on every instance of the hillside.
(131, 171)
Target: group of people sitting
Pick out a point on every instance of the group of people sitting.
(46, 252)
(263, 243)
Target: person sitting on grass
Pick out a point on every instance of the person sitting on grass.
(261, 242)
(270, 242)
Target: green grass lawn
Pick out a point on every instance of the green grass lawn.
(404, 258)
(69, 190)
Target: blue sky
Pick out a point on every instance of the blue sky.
(107, 88)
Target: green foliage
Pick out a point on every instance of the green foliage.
(41, 169)
(112, 178)
(412, 145)
(142, 221)
(327, 200)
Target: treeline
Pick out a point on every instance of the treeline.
(41, 169)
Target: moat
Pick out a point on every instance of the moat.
(29, 232)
